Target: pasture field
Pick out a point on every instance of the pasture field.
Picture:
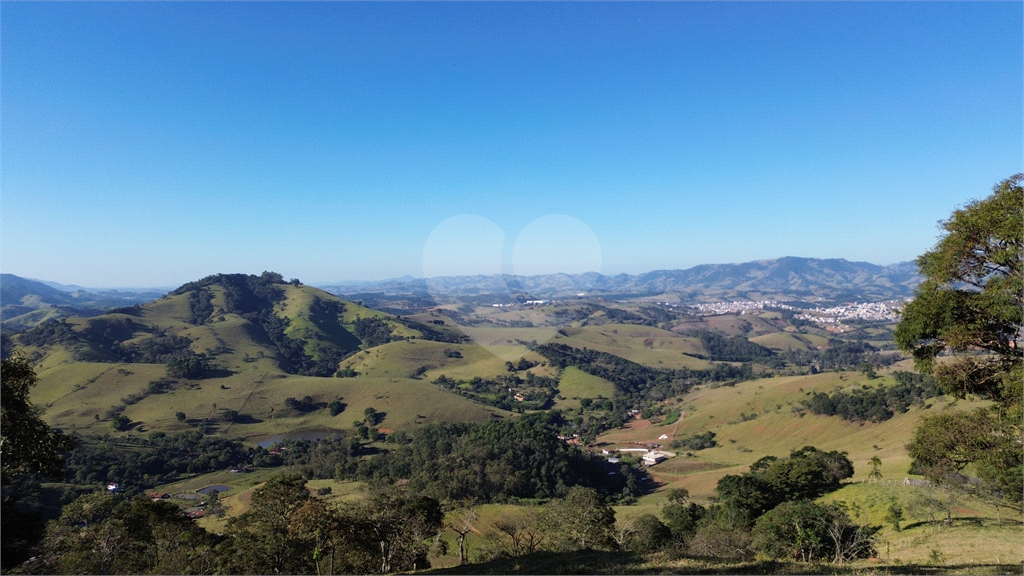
(788, 341)
(764, 417)
(575, 384)
(258, 397)
(641, 344)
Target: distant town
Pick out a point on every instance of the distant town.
(879, 311)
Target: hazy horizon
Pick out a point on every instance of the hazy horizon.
(406, 277)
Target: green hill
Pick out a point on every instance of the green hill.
(261, 342)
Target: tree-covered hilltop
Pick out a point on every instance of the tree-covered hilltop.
(312, 340)
(496, 462)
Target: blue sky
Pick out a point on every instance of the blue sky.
(150, 144)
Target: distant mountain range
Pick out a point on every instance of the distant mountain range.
(789, 278)
(25, 303)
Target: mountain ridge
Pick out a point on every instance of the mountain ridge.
(789, 277)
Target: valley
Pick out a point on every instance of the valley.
(278, 369)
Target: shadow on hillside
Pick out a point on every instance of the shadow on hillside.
(246, 419)
(594, 562)
(212, 373)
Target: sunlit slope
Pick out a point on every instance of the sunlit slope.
(84, 381)
(764, 417)
(642, 344)
(258, 398)
(575, 384)
(790, 341)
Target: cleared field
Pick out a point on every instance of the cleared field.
(575, 384)
(784, 341)
(755, 419)
(257, 396)
(748, 325)
(400, 359)
(641, 344)
(502, 341)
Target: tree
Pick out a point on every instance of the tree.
(582, 520)
(649, 534)
(806, 531)
(972, 299)
(27, 444)
(186, 365)
(260, 539)
(462, 523)
(876, 468)
(972, 304)
(99, 533)
(523, 526)
(397, 524)
(29, 451)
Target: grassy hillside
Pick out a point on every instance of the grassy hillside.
(764, 417)
(575, 384)
(642, 344)
(85, 378)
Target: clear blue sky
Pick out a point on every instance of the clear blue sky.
(149, 144)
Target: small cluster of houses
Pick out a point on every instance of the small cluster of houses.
(197, 511)
(650, 456)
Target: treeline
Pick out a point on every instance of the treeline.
(103, 340)
(636, 380)
(138, 463)
(722, 348)
(840, 355)
(536, 392)
(497, 462)
(285, 531)
(695, 442)
(876, 404)
(768, 510)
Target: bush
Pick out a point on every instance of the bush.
(808, 532)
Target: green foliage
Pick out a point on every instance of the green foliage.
(724, 348)
(346, 372)
(649, 535)
(103, 534)
(27, 444)
(495, 462)
(973, 293)
(373, 331)
(186, 366)
(972, 302)
(581, 521)
(894, 515)
(29, 450)
(806, 473)
(806, 531)
(840, 355)
(336, 407)
(695, 442)
(508, 392)
(876, 404)
(306, 404)
(138, 463)
(944, 444)
(259, 541)
(120, 422)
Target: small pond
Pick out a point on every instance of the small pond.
(311, 434)
(215, 487)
